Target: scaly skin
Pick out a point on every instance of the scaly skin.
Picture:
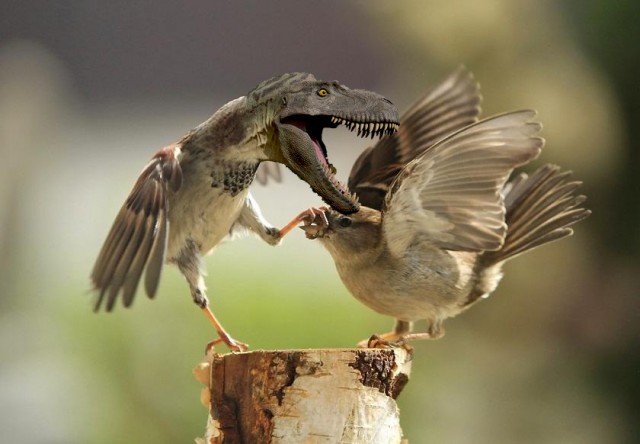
(195, 193)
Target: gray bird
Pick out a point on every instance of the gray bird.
(433, 232)
(195, 193)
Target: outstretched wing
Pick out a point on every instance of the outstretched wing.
(453, 104)
(138, 237)
(540, 209)
(451, 194)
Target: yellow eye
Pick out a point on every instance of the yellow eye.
(322, 92)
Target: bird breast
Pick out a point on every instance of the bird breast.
(426, 283)
(202, 213)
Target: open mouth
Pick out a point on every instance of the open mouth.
(313, 126)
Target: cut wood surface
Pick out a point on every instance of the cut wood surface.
(304, 396)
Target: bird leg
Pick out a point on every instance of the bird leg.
(315, 222)
(190, 264)
(251, 218)
(308, 216)
(236, 346)
(400, 335)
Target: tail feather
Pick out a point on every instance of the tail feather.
(540, 209)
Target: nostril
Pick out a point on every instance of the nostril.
(388, 101)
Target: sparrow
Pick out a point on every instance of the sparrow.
(194, 193)
(432, 234)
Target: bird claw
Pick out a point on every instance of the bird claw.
(232, 344)
(386, 341)
(315, 222)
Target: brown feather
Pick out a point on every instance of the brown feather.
(453, 104)
(540, 208)
(451, 193)
(139, 234)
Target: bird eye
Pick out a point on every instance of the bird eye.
(345, 222)
(322, 92)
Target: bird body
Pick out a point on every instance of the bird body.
(425, 282)
(443, 223)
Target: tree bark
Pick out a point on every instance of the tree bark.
(304, 396)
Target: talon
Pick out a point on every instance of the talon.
(307, 217)
(237, 346)
(210, 347)
(391, 340)
(315, 222)
(311, 215)
(375, 341)
(232, 344)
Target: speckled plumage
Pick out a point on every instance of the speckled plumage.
(195, 193)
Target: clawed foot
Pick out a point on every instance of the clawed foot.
(223, 336)
(315, 222)
(393, 340)
(232, 344)
(307, 217)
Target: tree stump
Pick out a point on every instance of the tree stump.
(304, 396)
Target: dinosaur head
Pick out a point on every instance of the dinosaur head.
(302, 107)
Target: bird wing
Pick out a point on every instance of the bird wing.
(268, 170)
(139, 234)
(451, 194)
(451, 105)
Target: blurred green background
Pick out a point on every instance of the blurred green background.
(90, 90)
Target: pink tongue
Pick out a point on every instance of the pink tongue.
(319, 152)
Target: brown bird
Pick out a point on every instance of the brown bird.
(432, 234)
(195, 193)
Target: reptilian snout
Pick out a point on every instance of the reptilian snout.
(322, 105)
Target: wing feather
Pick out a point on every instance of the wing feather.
(451, 194)
(451, 105)
(137, 240)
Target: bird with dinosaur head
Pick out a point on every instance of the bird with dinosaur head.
(194, 193)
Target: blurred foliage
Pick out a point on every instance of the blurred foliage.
(87, 96)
